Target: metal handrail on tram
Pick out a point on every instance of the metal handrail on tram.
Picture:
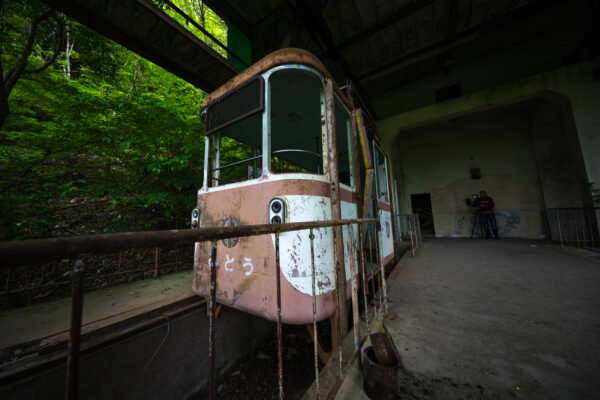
(233, 164)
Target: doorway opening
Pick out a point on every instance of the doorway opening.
(421, 205)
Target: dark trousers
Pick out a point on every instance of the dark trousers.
(489, 221)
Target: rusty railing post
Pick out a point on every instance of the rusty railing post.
(279, 334)
(559, 230)
(378, 258)
(75, 331)
(340, 317)
(212, 307)
(413, 237)
(311, 236)
(362, 253)
(374, 298)
(419, 232)
(576, 227)
(336, 204)
(383, 286)
(156, 263)
(355, 311)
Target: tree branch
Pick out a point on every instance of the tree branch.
(26, 171)
(59, 43)
(13, 75)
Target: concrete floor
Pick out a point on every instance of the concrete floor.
(494, 320)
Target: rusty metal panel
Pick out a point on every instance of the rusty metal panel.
(246, 266)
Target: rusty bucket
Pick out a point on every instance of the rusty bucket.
(383, 348)
(380, 381)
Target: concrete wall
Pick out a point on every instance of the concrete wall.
(437, 159)
(577, 85)
(179, 369)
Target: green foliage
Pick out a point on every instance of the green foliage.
(117, 146)
(200, 14)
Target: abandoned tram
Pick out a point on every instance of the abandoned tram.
(294, 223)
(274, 115)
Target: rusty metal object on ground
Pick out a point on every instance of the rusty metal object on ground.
(380, 381)
(383, 349)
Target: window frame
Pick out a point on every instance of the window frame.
(376, 150)
(267, 156)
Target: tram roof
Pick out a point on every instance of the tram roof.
(272, 60)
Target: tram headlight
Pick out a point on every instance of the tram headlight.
(195, 221)
(276, 206)
(276, 211)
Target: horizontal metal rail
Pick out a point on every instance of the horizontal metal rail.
(28, 251)
(233, 164)
(296, 151)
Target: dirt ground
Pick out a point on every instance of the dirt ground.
(507, 319)
(256, 378)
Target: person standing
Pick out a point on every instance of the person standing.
(486, 207)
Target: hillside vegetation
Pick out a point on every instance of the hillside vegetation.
(93, 139)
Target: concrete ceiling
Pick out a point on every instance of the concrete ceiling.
(381, 45)
(378, 45)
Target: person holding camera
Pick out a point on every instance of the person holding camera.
(486, 206)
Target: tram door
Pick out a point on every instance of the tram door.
(384, 205)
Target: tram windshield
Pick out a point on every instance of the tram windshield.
(296, 136)
(296, 103)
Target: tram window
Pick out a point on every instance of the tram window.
(343, 143)
(240, 147)
(381, 171)
(295, 101)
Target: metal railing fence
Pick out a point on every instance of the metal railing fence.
(574, 226)
(410, 229)
(44, 281)
(77, 248)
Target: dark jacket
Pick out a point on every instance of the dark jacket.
(484, 203)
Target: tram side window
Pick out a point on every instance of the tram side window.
(236, 120)
(381, 172)
(343, 143)
(296, 144)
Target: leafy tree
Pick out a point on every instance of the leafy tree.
(98, 139)
(31, 40)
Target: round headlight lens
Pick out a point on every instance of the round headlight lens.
(276, 206)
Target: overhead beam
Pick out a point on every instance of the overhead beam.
(391, 19)
(457, 38)
(116, 19)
